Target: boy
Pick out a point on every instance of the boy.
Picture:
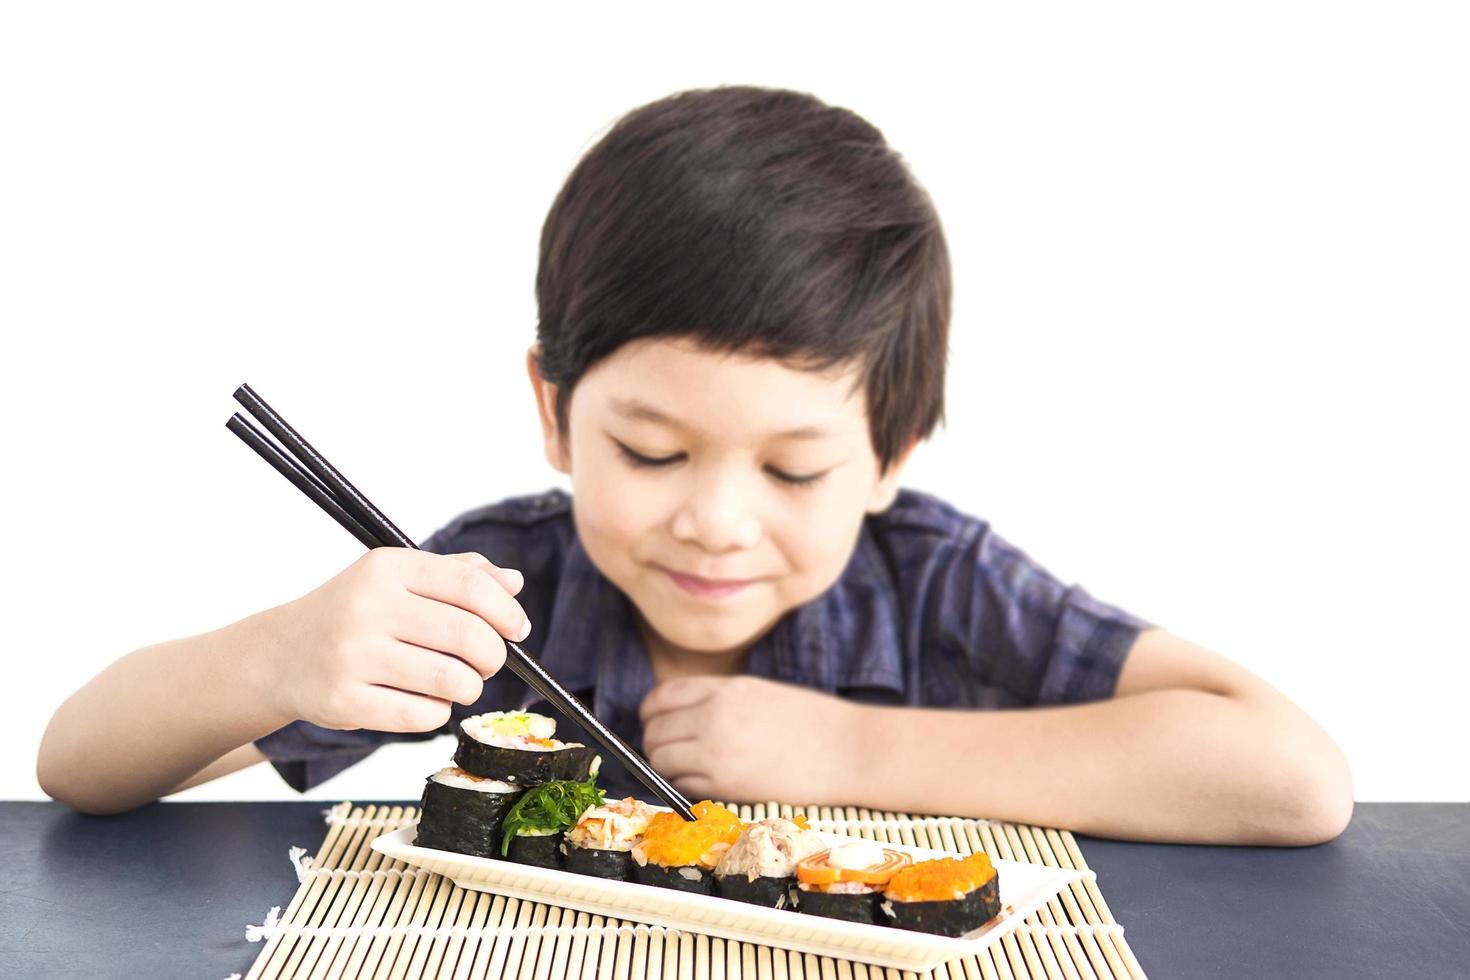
(744, 303)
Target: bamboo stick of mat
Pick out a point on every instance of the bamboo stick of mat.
(357, 914)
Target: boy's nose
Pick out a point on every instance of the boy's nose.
(717, 518)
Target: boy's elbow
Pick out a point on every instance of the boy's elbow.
(56, 787)
(1323, 814)
(56, 783)
(83, 802)
(1318, 798)
(50, 775)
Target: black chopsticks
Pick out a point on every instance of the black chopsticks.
(310, 472)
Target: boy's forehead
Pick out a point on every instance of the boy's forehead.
(639, 410)
(675, 383)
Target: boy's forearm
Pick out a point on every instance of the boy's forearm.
(1164, 765)
(158, 716)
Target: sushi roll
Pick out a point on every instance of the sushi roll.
(519, 747)
(463, 812)
(601, 844)
(678, 853)
(532, 830)
(760, 867)
(847, 881)
(949, 896)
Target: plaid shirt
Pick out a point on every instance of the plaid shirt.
(933, 609)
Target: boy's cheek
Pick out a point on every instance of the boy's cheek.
(609, 509)
(632, 504)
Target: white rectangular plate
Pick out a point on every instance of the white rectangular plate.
(1023, 889)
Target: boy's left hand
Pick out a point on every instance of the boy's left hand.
(748, 738)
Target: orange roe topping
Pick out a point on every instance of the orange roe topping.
(941, 880)
(673, 842)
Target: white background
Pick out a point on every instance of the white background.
(1208, 350)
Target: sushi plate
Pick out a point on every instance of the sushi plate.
(1024, 888)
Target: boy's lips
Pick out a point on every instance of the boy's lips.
(708, 587)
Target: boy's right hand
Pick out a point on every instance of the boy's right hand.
(392, 640)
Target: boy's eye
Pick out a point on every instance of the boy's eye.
(638, 459)
(790, 479)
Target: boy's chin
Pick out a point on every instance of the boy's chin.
(707, 639)
(711, 645)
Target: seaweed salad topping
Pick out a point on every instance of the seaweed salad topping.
(550, 807)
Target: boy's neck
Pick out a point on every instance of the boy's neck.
(669, 661)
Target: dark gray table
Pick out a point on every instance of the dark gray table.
(167, 891)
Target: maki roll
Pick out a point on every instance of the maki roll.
(519, 747)
(532, 830)
(760, 867)
(949, 896)
(463, 812)
(847, 881)
(679, 853)
(601, 844)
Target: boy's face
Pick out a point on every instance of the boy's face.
(681, 463)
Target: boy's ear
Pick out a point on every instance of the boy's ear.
(552, 436)
(886, 489)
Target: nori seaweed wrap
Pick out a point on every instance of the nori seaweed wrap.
(856, 902)
(518, 747)
(540, 849)
(947, 897)
(766, 890)
(533, 828)
(463, 812)
(684, 877)
(760, 867)
(601, 843)
(598, 862)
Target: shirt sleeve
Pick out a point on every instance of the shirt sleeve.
(307, 755)
(1024, 631)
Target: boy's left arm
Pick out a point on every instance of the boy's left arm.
(1191, 748)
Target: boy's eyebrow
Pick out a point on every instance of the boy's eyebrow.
(632, 408)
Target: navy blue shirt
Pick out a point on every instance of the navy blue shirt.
(933, 609)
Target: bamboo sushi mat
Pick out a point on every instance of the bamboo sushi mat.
(360, 915)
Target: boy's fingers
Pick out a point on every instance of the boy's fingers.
(469, 588)
(671, 726)
(682, 692)
(448, 629)
(678, 760)
(388, 709)
(700, 787)
(509, 578)
(437, 675)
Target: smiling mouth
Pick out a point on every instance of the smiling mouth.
(713, 588)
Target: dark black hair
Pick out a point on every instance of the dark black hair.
(759, 221)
